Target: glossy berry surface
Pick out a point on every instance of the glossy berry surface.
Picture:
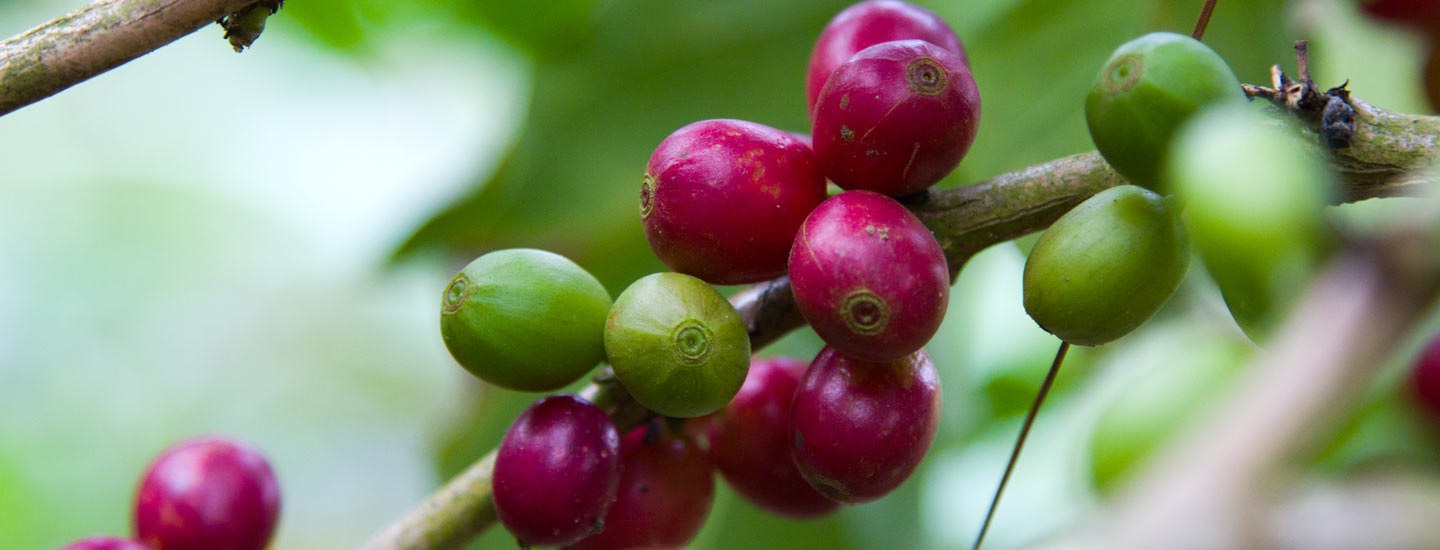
(1147, 89)
(869, 277)
(1425, 378)
(1106, 266)
(896, 118)
(208, 494)
(105, 543)
(748, 442)
(525, 319)
(721, 199)
(867, 24)
(677, 345)
(666, 489)
(858, 429)
(557, 471)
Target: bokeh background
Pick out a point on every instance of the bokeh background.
(254, 245)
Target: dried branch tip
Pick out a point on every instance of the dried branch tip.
(243, 27)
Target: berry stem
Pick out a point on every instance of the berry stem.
(1020, 441)
(1204, 19)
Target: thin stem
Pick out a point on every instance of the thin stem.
(1204, 20)
(1020, 442)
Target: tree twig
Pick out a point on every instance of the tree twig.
(1389, 148)
(106, 34)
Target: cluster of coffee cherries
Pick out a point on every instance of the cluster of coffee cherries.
(1164, 111)
(207, 493)
(894, 110)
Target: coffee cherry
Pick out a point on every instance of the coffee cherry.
(557, 471)
(721, 199)
(666, 489)
(105, 543)
(525, 319)
(1150, 86)
(207, 494)
(896, 118)
(1425, 378)
(869, 277)
(1106, 266)
(867, 24)
(749, 444)
(1420, 14)
(1254, 201)
(677, 345)
(858, 429)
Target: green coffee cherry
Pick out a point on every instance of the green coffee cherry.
(677, 345)
(525, 319)
(1254, 202)
(1106, 266)
(1150, 86)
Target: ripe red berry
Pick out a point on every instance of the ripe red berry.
(208, 493)
(896, 118)
(721, 199)
(1421, 14)
(665, 493)
(557, 471)
(867, 24)
(749, 443)
(858, 429)
(869, 277)
(1425, 378)
(105, 543)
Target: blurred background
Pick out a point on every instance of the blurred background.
(254, 245)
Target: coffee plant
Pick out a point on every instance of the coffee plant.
(851, 237)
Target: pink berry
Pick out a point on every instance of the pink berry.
(896, 118)
(867, 24)
(869, 277)
(1425, 378)
(208, 493)
(749, 442)
(858, 429)
(665, 493)
(557, 471)
(105, 543)
(721, 199)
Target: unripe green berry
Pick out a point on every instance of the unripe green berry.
(677, 345)
(1254, 201)
(525, 319)
(1150, 86)
(1106, 266)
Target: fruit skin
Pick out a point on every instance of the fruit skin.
(1425, 378)
(748, 443)
(1257, 219)
(557, 471)
(896, 118)
(207, 493)
(867, 24)
(105, 543)
(1423, 15)
(525, 319)
(1149, 87)
(677, 345)
(858, 429)
(721, 199)
(666, 490)
(1106, 266)
(843, 272)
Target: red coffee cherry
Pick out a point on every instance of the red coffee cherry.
(557, 471)
(666, 489)
(1425, 378)
(867, 24)
(721, 199)
(869, 277)
(858, 429)
(208, 493)
(749, 442)
(896, 118)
